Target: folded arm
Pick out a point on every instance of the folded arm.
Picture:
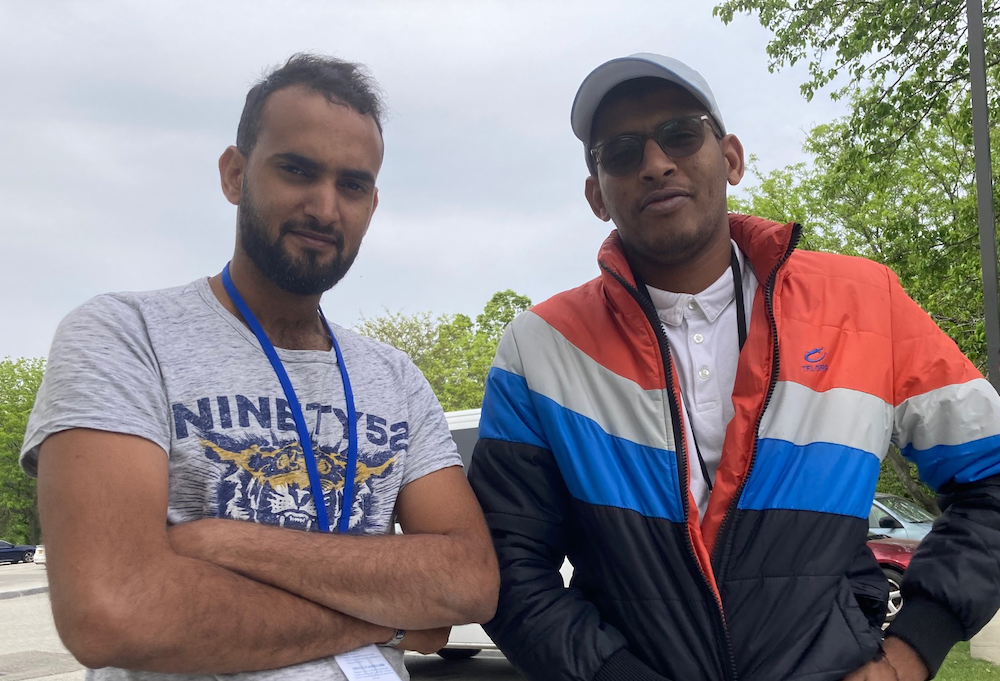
(947, 421)
(121, 596)
(441, 572)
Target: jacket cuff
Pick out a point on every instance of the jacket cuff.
(624, 666)
(929, 628)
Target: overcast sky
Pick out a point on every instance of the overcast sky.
(113, 116)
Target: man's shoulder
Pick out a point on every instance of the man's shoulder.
(580, 302)
(124, 305)
(838, 266)
(354, 344)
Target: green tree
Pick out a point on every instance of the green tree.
(453, 351)
(19, 382)
(902, 64)
(413, 334)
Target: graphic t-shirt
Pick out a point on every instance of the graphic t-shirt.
(176, 368)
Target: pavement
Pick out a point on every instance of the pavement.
(22, 579)
(31, 649)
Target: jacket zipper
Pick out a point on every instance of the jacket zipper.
(681, 443)
(722, 549)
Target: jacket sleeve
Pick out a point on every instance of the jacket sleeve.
(547, 630)
(947, 421)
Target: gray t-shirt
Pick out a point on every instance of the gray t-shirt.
(176, 368)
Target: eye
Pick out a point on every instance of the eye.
(354, 186)
(620, 151)
(293, 170)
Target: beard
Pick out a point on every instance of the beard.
(305, 275)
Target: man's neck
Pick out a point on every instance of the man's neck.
(691, 276)
(290, 321)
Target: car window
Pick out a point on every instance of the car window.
(5, 545)
(875, 516)
(906, 510)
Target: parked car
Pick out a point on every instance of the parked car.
(898, 518)
(895, 527)
(16, 553)
(40, 555)
(893, 555)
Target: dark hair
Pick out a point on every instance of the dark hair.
(341, 82)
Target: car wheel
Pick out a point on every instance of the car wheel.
(459, 653)
(28, 557)
(895, 578)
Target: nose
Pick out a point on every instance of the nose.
(322, 203)
(655, 163)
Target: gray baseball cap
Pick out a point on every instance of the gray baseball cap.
(641, 65)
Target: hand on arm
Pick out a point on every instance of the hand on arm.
(901, 663)
(121, 596)
(443, 571)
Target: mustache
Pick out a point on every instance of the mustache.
(312, 226)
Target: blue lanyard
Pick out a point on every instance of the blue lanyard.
(305, 438)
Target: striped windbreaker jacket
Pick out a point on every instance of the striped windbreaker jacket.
(582, 455)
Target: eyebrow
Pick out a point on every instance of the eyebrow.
(313, 166)
(298, 159)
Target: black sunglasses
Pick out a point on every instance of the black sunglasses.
(677, 138)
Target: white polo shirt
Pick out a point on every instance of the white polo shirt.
(704, 342)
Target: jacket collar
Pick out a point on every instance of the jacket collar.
(762, 241)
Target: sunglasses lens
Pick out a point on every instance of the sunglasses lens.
(682, 137)
(621, 156)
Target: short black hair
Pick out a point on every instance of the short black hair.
(341, 82)
(633, 89)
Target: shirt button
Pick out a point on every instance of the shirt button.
(704, 372)
(692, 305)
(698, 338)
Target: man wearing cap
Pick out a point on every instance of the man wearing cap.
(700, 428)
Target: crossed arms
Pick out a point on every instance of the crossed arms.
(221, 596)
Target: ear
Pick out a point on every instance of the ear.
(368, 222)
(232, 165)
(595, 198)
(732, 150)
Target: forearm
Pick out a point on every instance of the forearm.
(182, 615)
(951, 585)
(419, 581)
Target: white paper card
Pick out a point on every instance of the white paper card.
(366, 664)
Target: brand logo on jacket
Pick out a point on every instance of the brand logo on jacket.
(813, 358)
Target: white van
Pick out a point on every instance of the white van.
(468, 639)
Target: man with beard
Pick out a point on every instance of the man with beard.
(700, 429)
(219, 467)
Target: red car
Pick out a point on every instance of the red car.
(894, 557)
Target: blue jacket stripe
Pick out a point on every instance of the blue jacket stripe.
(821, 477)
(508, 413)
(967, 462)
(598, 468)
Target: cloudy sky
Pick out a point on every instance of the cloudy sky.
(113, 116)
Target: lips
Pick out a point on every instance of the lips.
(665, 198)
(316, 239)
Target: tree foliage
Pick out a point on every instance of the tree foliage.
(453, 351)
(903, 63)
(19, 382)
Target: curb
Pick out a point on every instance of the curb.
(23, 592)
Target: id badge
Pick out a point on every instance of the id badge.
(366, 664)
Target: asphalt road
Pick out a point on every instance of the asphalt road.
(21, 576)
(30, 647)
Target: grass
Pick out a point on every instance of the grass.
(960, 666)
